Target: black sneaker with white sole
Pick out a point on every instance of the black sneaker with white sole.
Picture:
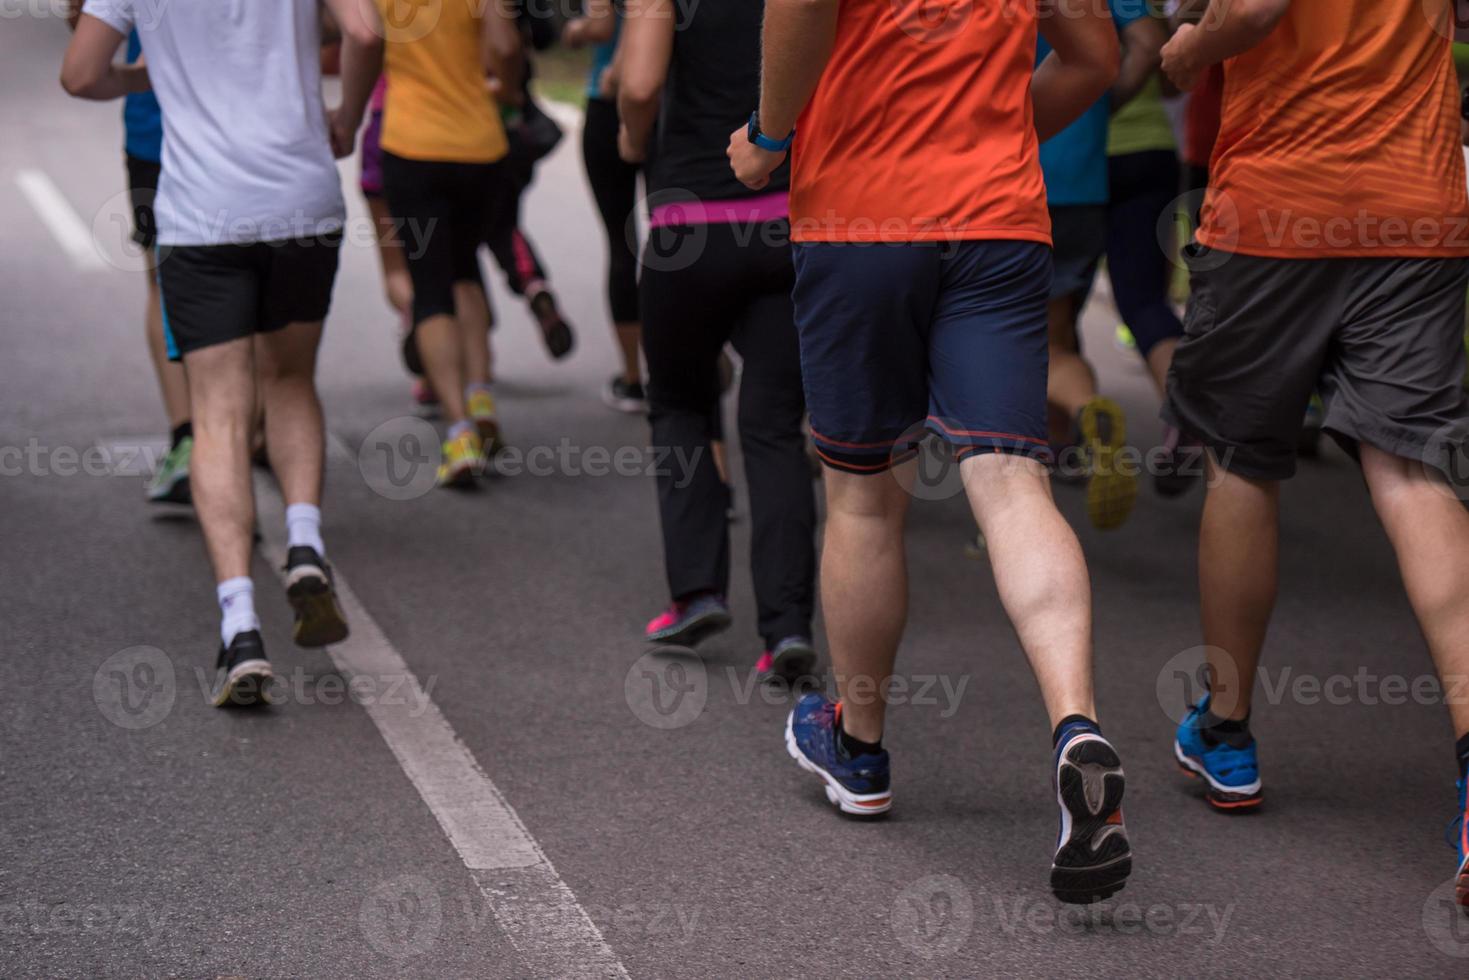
(242, 675)
(1093, 855)
(319, 618)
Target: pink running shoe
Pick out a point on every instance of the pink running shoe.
(685, 623)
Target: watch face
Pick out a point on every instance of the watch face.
(754, 126)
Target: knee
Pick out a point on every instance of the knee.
(877, 501)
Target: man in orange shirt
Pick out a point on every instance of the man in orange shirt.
(923, 263)
(1334, 256)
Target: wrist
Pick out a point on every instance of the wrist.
(756, 132)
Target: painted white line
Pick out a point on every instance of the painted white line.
(60, 218)
(567, 116)
(536, 910)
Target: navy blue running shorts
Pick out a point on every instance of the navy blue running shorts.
(901, 339)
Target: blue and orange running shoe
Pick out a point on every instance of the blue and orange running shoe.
(1093, 855)
(686, 622)
(861, 786)
(1231, 774)
(1461, 829)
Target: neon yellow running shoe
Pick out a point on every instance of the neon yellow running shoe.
(1124, 339)
(480, 405)
(464, 459)
(1111, 491)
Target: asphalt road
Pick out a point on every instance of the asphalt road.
(143, 833)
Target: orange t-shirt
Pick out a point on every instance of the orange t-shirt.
(1340, 137)
(921, 127)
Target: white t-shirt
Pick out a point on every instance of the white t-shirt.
(246, 154)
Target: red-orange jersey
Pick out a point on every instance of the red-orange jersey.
(1340, 137)
(921, 127)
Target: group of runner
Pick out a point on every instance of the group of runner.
(897, 241)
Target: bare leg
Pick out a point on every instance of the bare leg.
(629, 335)
(472, 312)
(173, 383)
(442, 351)
(1070, 384)
(1238, 547)
(1160, 359)
(222, 402)
(1040, 574)
(396, 282)
(294, 434)
(1429, 530)
(864, 591)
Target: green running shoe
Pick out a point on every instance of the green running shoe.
(170, 482)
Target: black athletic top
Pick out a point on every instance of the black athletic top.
(713, 86)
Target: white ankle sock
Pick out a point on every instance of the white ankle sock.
(237, 604)
(303, 526)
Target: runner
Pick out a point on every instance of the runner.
(615, 188)
(1075, 166)
(142, 122)
(717, 270)
(249, 220)
(1333, 256)
(442, 146)
(1143, 180)
(922, 267)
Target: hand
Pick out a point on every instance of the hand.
(751, 164)
(1179, 63)
(629, 151)
(574, 34)
(502, 95)
(608, 83)
(343, 133)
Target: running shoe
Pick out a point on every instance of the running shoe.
(312, 595)
(625, 396)
(687, 622)
(1093, 856)
(242, 675)
(1183, 467)
(423, 394)
(1461, 826)
(464, 459)
(555, 331)
(789, 660)
(1308, 442)
(1123, 339)
(170, 482)
(861, 786)
(480, 406)
(1231, 775)
(1110, 493)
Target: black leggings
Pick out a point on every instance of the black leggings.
(615, 187)
(443, 211)
(701, 287)
(1143, 187)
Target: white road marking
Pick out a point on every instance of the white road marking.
(536, 910)
(60, 218)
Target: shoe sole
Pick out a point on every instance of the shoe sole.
(461, 474)
(1095, 857)
(693, 631)
(792, 664)
(178, 492)
(248, 684)
(319, 618)
(628, 406)
(1110, 494)
(489, 434)
(867, 805)
(1221, 799)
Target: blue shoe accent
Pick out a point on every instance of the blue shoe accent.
(1093, 855)
(860, 785)
(1231, 776)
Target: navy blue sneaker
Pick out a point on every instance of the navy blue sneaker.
(1231, 775)
(861, 786)
(1093, 856)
